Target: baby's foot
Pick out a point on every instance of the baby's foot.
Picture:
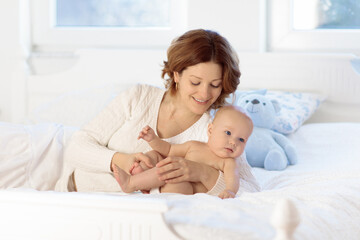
(123, 179)
(136, 168)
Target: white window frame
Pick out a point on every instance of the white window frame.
(281, 36)
(45, 35)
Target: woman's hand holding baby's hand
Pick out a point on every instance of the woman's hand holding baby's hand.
(147, 133)
(227, 194)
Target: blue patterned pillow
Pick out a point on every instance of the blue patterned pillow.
(296, 108)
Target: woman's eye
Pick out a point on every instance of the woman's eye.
(241, 140)
(194, 83)
(228, 133)
(215, 86)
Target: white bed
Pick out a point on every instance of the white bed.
(319, 198)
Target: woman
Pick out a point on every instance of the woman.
(202, 70)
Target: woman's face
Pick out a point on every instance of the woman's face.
(199, 86)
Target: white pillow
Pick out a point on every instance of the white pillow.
(76, 108)
(296, 108)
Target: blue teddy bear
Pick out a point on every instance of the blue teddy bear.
(266, 148)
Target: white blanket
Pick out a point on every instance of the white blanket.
(324, 185)
(31, 156)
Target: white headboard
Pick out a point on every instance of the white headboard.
(332, 75)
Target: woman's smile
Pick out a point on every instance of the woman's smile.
(200, 101)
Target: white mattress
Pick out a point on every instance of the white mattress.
(324, 185)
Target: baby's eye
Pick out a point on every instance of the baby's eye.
(241, 140)
(228, 133)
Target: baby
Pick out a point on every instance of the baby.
(228, 134)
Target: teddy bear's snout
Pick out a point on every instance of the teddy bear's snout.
(255, 101)
(253, 106)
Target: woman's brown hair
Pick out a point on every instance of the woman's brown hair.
(199, 46)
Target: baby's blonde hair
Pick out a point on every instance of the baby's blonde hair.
(231, 107)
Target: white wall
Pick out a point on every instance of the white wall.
(7, 59)
(12, 56)
(237, 20)
(242, 22)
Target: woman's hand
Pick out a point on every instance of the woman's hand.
(178, 169)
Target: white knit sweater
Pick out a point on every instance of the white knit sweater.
(115, 129)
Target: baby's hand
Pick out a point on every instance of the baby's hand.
(147, 133)
(226, 194)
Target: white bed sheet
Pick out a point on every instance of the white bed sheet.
(324, 185)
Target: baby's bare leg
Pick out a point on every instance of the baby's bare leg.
(199, 187)
(183, 188)
(142, 181)
(123, 179)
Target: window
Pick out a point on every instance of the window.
(326, 14)
(112, 13)
(106, 23)
(314, 25)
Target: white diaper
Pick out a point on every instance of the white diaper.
(215, 191)
(219, 185)
(155, 191)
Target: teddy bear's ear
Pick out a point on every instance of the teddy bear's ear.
(240, 94)
(257, 91)
(231, 99)
(276, 105)
(261, 91)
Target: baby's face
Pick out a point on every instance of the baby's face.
(229, 133)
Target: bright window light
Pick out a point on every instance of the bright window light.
(73, 24)
(113, 13)
(326, 14)
(314, 25)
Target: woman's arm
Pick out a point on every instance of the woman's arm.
(87, 149)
